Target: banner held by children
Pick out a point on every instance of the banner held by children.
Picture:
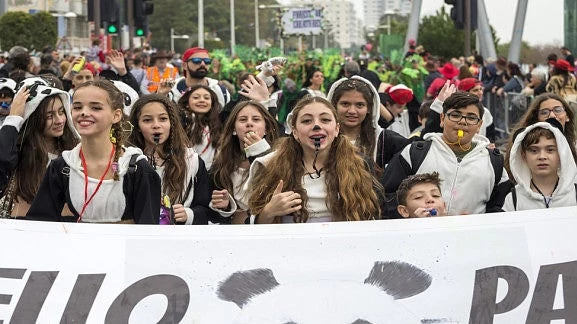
(494, 268)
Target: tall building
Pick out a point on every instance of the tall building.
(341, 20)
(375, 9)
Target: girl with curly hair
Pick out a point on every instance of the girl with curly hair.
(314, 175)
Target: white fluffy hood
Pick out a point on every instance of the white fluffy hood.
(38, 93)
(521, 171)
(375, 109)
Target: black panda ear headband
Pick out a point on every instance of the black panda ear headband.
(554, 122)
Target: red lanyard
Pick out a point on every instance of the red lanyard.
(86, 199)
(204, 132)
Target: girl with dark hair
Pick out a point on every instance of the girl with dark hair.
(185, 183)
(302, 180)
(101, 180)
(311, 87)
(199, 109)
(249, 132)
(313, 83)
(541, 162)
(37, 130)
(544, 106)
(359, 109)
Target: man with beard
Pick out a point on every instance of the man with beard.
(195, 62)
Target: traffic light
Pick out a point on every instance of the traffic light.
(458, 14)
(109, 15)
(112, 27)
(142, 9)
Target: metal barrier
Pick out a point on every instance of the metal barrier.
(507, 110)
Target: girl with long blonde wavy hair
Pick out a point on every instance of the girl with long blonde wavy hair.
(314, 175)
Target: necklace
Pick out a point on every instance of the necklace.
(86, 199)
(464, 149)
(317, 172)
(546, 200)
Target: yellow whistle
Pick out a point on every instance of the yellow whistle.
(460, 133)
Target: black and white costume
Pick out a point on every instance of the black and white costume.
(197, 194)
(135, 197)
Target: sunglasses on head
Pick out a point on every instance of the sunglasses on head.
(198, 60)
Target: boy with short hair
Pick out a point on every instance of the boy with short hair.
(472, 174)
(543, 166)
(420, 196)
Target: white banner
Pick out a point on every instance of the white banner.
(495, 268)
(302, 21)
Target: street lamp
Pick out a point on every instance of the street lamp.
(388, 14)
(256, 25)
(173, 36)
(281, 39)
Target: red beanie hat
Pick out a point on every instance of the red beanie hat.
(191, 51)
(400, 94)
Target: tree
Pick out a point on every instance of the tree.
(182, 15)
(44, 30)
(440, 37)
(31, 31)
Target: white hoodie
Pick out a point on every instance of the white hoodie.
(467, 184)
(527, 199)
(375, 106)
(109, 203)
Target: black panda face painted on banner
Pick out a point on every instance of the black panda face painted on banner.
(262, 299)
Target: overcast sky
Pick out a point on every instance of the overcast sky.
(543, 23)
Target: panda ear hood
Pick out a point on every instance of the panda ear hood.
(241, 286)
(399, 279)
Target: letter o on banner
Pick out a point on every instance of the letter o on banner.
(173, 287)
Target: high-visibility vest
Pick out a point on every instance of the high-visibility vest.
(154, 77)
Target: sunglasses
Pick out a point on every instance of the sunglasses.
(198, 60)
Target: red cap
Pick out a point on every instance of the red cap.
(467, 84)
(400, 94)
(563, 65)
(191, 51)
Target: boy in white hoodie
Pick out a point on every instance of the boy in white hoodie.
(473, 181)
(543, 167)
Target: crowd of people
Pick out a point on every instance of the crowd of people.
(121, 137)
